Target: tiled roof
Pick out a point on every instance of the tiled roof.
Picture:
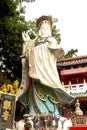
(76, 57)
(73, 61)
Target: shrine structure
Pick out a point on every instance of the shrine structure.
(73, 75)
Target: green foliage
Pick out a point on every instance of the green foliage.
(12, 24)
(56, 34)
(27, 125)
(32, 29)
(71, 53)
(28, 0)
(7, 8)
(4, 79)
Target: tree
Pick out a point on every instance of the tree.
(71, 53)
(56, 34)
(12, 24)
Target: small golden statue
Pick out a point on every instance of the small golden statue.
(78, 111)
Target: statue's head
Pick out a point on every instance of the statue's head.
(43, 18)
(44, 26)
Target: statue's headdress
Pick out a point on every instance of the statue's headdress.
(41, 19)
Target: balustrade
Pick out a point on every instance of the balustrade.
(73, 88)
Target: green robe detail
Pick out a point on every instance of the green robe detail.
(42, 99)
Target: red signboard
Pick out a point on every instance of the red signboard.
(78, 128)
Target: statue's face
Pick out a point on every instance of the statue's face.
(45, 29)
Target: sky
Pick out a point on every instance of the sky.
(72, 20)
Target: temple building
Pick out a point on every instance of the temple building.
(73, 75)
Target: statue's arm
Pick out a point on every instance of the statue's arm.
(25, 77)
(26, 39)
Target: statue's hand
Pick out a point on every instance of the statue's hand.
(25, 36)
(52, 42)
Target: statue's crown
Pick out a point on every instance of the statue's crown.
(42, 18)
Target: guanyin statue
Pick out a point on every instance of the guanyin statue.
(40, 87)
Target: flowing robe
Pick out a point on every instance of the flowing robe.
(43, 65)
(44, 92)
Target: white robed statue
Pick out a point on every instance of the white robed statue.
(40, 87)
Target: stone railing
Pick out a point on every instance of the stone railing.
(73, 88)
